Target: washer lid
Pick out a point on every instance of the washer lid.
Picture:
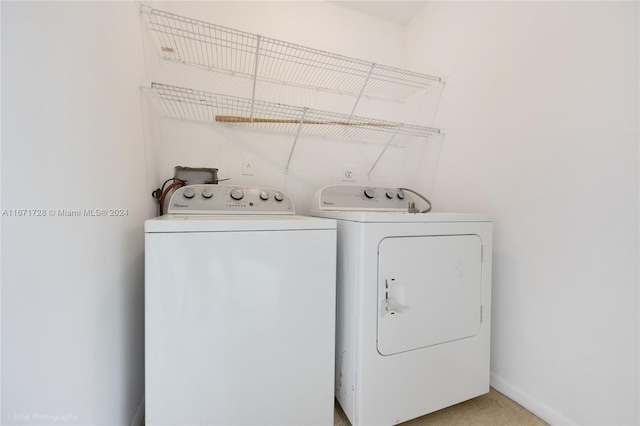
(222, 223)
(395, 217)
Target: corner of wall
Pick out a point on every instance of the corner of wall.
(538, 408)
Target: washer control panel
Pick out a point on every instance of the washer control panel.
(356, 197)
(229, 199)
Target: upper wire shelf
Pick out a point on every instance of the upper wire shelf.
(216, 47)
(196, 105)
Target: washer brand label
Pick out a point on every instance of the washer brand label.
(178, 205)
(327, 203)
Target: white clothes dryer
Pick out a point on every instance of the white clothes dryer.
(239, 310)
(413, 304)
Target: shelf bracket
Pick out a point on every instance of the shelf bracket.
(384, 150)
(304, 113)
(255, 74)
(361, 92)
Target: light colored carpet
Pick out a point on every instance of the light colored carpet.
(492, 409)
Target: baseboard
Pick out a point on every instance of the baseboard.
(527, 401)
(139, 416)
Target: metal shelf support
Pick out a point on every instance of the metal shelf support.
(383, 151)
(295, 140)
(364, 85)
(255, 73)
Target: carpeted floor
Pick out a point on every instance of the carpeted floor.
(492, 409)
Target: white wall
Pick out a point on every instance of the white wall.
(542, 112)
(72, 287)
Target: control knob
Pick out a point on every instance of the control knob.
(389, 194)
(369, 192)
(264, 195)
(401, 195)
(207, 193)
(189, 193)
(278, 196)
(237, 194)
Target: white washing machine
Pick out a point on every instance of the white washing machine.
(239, 311)
(413, 304)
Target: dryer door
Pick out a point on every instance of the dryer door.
(429, 291)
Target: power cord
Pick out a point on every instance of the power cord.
(412, 205)
(160, 194)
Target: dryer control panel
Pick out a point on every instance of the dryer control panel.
(229, 199)
(362, 198)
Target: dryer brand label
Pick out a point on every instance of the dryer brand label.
(178, 205)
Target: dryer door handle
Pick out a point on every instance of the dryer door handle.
(394, 297)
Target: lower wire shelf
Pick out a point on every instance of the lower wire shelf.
(196, 105)
(206, 107)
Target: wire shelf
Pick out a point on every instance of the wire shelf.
(196, 105)
(261, 58)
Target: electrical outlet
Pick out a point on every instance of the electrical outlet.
(248, 166)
